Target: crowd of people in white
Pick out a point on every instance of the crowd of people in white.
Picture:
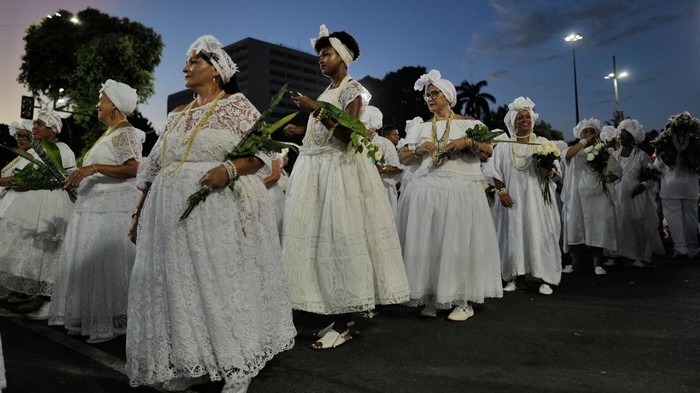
(211, 297)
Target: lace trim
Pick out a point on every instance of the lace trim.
(95, 328)
(231, 374)
(461, 300)
(26, 285)
(364, 305)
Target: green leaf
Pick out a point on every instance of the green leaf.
(24, 155)
(54, 154)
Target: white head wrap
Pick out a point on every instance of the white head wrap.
(609, 133)
(343, 51)
(586, 123)
(15, 127)
(51, 118)
(209, 45)
(123, 96)
(412, 122)
(435, 78)
(634, 127)
(371, 117)
(520, 104)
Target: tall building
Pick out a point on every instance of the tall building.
(263, 68)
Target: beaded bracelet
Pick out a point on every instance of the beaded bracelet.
(584, 142)
(95, 168)
(231, 170)
(502, 191)
(319, 116)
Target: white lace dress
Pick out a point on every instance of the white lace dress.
(341, 249)
(637, 222)
(446, 228)
(96, 257)
(528, 232)
(208, 295)
(32, 225)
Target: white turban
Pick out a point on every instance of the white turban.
(586, 123)
(17, 127)
(51, 118)
(210, 46)
(435, 78)
(609, 133)
(520, 104)
(123, 96)
(634, 127)
(343, 51)
(371, 117)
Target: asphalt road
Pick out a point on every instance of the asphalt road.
(632, 330)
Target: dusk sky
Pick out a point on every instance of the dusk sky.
(516, 46)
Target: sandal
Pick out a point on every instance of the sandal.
(327, 341)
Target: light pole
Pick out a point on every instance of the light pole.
(573, 37)
(618, 115)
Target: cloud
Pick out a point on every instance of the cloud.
(523, 29)
(496, 74)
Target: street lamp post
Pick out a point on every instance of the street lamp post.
(618, 114)
(573, 37)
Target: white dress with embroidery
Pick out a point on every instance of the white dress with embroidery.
(589, 214)
(341, 249)
(208, 294)
(32, 225)
(528, 232)
(446, 228)
(637, 222)
(97, 256)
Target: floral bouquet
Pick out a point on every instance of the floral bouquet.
(257, 138)
(43, 173)
(547, 156)
(597, 158)
(649, 172)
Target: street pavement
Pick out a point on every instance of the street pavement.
(632, 330)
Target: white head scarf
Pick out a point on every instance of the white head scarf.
(210, 46)
(586, 123)
(520, 104)
(17, 127)
(343, 51)
(123, 96)
(609, 133)
(51, 118)
(435, 78)
(371, 117)
(634, 127)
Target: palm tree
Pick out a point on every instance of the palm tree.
(471, 101)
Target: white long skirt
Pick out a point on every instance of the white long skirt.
(449, 241)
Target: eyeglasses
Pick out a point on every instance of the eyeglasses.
(431, 95)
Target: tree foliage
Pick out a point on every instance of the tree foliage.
(473, 102)
(545, 130)
(79, 57)
(395, 97)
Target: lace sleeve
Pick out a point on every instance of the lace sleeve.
(151, 166)
(240, 115)
(127, 144)
(351, 91)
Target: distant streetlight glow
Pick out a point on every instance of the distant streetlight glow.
(618, 114)
(75, 20)
(573, 37)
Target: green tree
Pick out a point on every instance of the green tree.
(545, 130)
(495, 119)
(473, 102)
(71, 60)
(395, 97)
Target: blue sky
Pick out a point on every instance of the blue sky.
(516, 46)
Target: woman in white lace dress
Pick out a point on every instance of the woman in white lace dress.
(96, 257)
(341, 249)
(445, 225)
(528, 228)
(208, 297)
(32, 225)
